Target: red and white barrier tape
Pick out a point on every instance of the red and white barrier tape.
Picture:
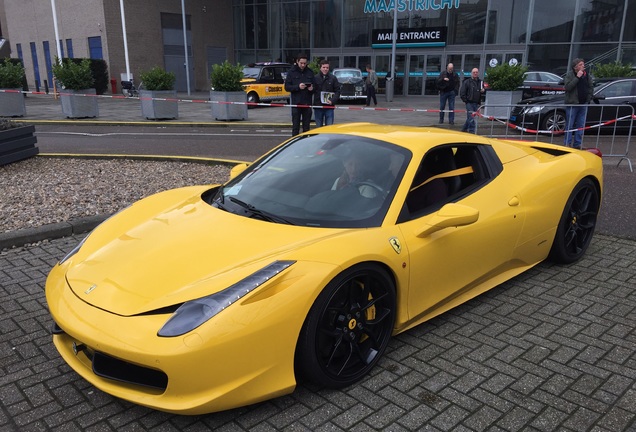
(536, 132)
(249, 104)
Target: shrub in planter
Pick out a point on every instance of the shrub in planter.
(158, 79)
(76, 78)
(226, 77)
(158, 84)
(225, 81)
(99, 71)
(72, 75)
(503, 81)
(11, 74)
(11, 78)
(613, 70)
(505, 77)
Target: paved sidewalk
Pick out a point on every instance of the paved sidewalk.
(196, 109)
(551, 350)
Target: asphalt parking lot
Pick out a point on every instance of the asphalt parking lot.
(554, 349)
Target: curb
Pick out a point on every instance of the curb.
(25, 236)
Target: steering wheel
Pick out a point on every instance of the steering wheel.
(372, 185)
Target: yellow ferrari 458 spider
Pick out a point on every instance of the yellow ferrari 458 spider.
(306, 261)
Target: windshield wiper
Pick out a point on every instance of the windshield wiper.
(261, 213)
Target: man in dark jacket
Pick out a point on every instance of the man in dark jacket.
(470, 93)
(326, 94)
(299, 83)
(448, 86)
(578, 93)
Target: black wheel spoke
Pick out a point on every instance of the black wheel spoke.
(352, 327)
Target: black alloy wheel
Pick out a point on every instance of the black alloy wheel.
(348, 327)
(577, 223)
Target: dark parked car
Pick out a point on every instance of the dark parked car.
(612, 100)
(541, 84)
(352, 84)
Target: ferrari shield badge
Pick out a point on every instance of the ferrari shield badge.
(395, 244)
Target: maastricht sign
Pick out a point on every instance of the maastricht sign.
(410, 37)
(374, 6)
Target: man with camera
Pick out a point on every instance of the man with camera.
(299, 83)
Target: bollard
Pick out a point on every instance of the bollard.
(113, 86)
(46, 87)
(388, 90)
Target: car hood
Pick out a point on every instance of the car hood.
(543, 100)
(162, 252)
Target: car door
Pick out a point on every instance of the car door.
(616, 100)
(449, 264)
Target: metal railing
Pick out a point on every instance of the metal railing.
(608, 127)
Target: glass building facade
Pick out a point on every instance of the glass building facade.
(544, 35)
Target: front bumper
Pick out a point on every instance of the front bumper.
(242, 356)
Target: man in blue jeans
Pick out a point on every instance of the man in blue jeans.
(578, 93)
(326, 94)
(470, 93)
(448, 86)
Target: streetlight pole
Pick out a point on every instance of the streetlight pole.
(123, 29)
(58, 43)
(390, 84)
(185, 45)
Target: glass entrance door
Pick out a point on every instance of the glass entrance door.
(423, 71)
(415, 77)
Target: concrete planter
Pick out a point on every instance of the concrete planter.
(76, 106)
(499, 103)
(12, 104)
(154, 109)
(228, 111)
(17, 144)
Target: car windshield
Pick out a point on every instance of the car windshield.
(323, 180)
(352, 73)
(251, 72)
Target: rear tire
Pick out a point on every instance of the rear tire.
(577, 224)
(348, 327)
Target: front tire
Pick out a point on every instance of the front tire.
(554, 121)
(348, 327)
(577, 223)
(252, 98)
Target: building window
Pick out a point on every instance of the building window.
(327, 18)
(18, 48)
(95, 47)
(36, 68)
(69, 48)
(47, 61)
(552, 21)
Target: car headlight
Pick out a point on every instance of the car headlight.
(194, 313)
(532, 110)
(73, 252)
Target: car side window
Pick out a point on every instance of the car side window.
(618, 89)
(267, 75)
(445, 174)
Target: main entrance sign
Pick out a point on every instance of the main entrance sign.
(410, 37)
